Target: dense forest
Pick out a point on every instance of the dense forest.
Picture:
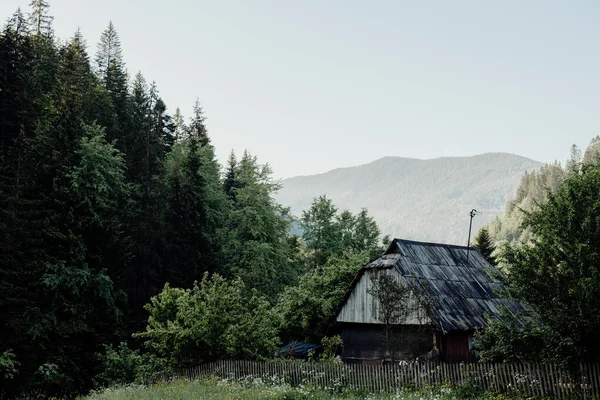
(533, 191)
(126, 248)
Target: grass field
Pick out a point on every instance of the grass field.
(217, 390)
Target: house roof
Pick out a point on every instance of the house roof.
(460, 285)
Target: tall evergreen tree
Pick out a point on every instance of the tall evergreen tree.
(39, 19)
(483, 243)
(256, 248)
(574, 163)
(592, 152)
(179, 125)
(187, 246)
(229, 181)
(197, 127)
(70, 302)
(17, 125)
(164, 125)
(197, 212)
(111, 71)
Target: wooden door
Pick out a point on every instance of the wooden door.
(456, 346)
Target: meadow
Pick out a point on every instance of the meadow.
(213, 389)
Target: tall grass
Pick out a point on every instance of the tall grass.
(217, 390)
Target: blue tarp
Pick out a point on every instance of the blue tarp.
(297, 349)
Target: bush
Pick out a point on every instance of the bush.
(122, 365)
(215, 319)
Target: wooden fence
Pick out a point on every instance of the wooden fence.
(539, 380)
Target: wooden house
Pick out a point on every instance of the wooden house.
(453, 291)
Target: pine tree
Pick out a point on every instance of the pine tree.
(109, 56)
(164, 126)
(229, 182)
(592, 153)
(144, 165)
(179, 125)
(68, 234)
(256, 248)
(483, 243)
(17, 125)
(39, 19)
(574, 162)
(110, 69)
(197, 127)
(188, 253)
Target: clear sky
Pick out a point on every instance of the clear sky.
(312, 85)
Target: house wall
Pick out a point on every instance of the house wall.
(361, 307)
(367, 342)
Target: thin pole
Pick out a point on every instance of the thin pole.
(472, 214)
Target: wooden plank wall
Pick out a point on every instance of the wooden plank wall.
(537, 380)
(361, 307)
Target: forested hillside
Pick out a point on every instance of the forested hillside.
(126, 249)
(425, 200)
(533, 191)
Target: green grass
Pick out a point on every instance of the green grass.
(217, 390)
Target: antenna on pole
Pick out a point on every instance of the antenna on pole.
(473, 213)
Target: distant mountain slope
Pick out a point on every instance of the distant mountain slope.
(426, 200)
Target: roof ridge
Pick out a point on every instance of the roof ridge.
(455, 246)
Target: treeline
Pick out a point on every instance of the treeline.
(533, 191)
(111, 208)
(548, 244)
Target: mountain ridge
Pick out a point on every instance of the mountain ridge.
(419, 199)
(412, 159)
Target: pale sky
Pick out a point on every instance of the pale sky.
(309, 86)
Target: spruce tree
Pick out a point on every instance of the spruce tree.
(573, 165)
(187, 245)
(39, 19)
(179, 125)
(592, 152)
(197, 127)
(17, 125)
(257, 249)
(229, 181)
(483, 243)
(110, 69)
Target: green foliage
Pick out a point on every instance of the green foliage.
(531, 193)
(331, 345)
(306, 309)
(558, 273)
(216, 389)
(520, 339)
(483, 243)
(121, 365)
(256, 246)
(215, 319)
(327, 233)
(8, 365)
